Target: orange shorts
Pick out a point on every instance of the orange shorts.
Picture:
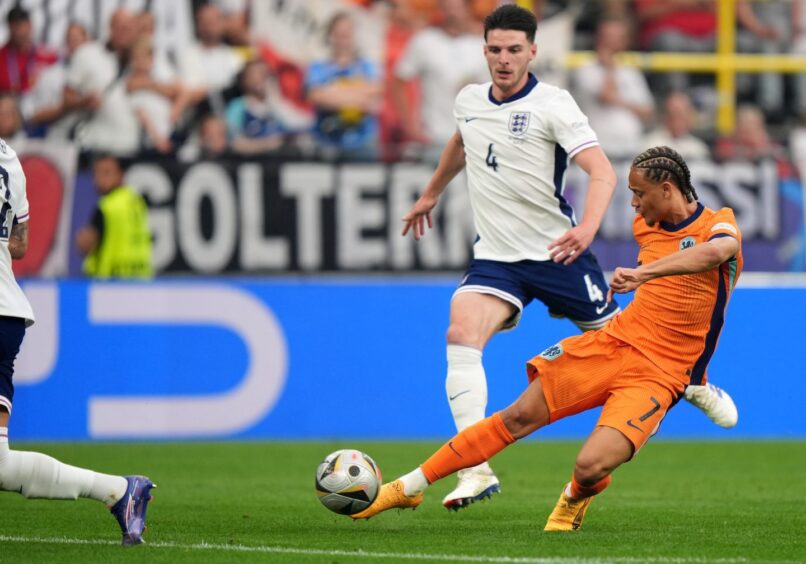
(593, 369)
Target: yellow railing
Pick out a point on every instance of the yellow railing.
(724, 64)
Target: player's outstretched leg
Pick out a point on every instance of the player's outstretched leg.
(466, 387)
(130, 510)
(474, 445)
(35, 475)
(715, 403)
(392, 496)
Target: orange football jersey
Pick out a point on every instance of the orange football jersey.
(676, 320)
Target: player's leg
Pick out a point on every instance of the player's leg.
(474, 319)
(604, 451)
(35, 475)
(639, 396)
(472, 446)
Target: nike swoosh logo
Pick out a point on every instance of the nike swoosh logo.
(450, 444)
(633, 425)
(599, 310)
(451, 398)
(468, 120)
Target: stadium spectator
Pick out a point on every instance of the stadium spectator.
(11, 129)
(675, 131)
(797, 149)
(96, 86)
(209, 66)
(236, 20)
(765, 28)
(346, 93)
(146, 29)
(43, 107)
(751, 140)
(259, 121)
(616, 98)
(402, 23)
(213, 137)
(21, 60)
(209, 142)
(690, 26)
(156, 100)
(444, 59)
(798, 47)
(117, 241)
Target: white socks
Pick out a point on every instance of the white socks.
(466, 386)
(36, 475)
(414, 482)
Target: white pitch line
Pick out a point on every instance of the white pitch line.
(368, 554)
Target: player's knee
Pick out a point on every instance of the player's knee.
(590, 469)
(519, 421)
(461, 334)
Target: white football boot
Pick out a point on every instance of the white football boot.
(475, 484)
(715, 402)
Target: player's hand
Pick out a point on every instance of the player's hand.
(418, 216)
(625, 280)
(573, 243)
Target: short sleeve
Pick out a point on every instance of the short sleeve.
(569, 125)
(723, 224)
(18, 198)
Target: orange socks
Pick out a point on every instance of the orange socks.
(472, 446)
(579, 491)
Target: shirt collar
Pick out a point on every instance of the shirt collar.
(531, 82)
(686, 222)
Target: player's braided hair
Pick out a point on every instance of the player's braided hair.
(664, 163)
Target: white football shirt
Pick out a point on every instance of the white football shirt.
(516, 153)
(13, 203)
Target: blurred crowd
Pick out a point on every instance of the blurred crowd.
(371, 79)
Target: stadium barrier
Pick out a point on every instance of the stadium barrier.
(334, 358)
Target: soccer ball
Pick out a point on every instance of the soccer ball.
(347, 481)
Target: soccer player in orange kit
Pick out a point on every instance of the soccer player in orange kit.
(637, 366)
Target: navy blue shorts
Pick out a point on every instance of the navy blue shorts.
(577, 291)
(12, 330)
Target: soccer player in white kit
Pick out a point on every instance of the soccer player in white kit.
(515, 136)
(32, 474)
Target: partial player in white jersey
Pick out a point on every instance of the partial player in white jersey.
(32, 474)
(515, 136)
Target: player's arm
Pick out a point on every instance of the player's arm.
(699, 258)
(451, 163)
(601, 184)
(89, 236)
(18, 240)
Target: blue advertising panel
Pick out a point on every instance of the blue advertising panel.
(338, 358)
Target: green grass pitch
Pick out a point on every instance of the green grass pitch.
(251, 501)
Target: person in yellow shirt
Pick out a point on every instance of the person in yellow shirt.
(117, 241)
